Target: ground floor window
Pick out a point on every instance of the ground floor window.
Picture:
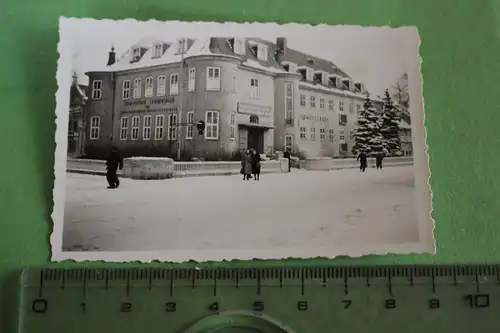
(124, 128)
(232, 127)
(159, 122)
(190, 125)
(95, 123)
(172, 126)
(135, 128)
(146, 131)
(212, 125)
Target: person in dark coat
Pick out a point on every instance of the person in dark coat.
(256, 164)
(288, 156)
(246, 164)
(378, 160)
(114, 161)
(362, 161)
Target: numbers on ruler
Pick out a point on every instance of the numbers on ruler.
(347, 303)
(258, 306)
(214, 307)
(478, 301)
(434, 303)
(126, 307)
(390, 303)
(170, 307)
(39, 305)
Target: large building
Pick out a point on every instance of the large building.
(76, 126)
(249, 92)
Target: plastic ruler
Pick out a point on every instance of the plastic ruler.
(407, 299)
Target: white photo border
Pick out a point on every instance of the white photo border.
(423, 192)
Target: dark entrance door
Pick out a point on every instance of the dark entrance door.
(256, 139)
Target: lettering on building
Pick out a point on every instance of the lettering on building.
(314, 118)
(156, 101)
(172, 109)
(252, 109)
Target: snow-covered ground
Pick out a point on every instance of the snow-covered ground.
(299, 209)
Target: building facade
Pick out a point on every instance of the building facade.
(250, 93)
(76, 127)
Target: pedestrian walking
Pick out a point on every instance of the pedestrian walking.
(246, 165)
(288, 156)
(113, 162)
(378, 160)
(256, 164)
(362, 161)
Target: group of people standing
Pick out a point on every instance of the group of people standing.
(363, 159)
(250, 164)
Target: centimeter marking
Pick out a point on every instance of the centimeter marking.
(52, 277)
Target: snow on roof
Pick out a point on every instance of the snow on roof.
(80, 91)
(254, 64)
(331, 90)
(199, 47)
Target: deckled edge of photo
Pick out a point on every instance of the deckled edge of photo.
(423, 192)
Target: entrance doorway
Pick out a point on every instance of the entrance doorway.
(256, 139)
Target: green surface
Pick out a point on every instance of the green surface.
(461, 72)
(353, 299)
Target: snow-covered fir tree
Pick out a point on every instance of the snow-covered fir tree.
(367, 136)
(390, 119)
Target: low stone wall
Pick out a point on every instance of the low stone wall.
(326, 163)
(163, 168)
(148, 168)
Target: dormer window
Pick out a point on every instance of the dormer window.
(137, 53)
(307, 73)
(317, 78)
(157, 50)
(346, 83)
(181, 46)
(359, 87)
(332, 81)
(290, 67)
(262, 52)
(237, 45)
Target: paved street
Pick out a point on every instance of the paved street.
(300, 209)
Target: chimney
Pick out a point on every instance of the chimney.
(281, 45)
(111, 57)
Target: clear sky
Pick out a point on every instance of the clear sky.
(375, 56)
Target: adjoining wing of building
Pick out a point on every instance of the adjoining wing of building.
(250, 93)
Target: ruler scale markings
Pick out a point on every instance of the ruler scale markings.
(302, 282)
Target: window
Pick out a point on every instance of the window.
(234, 81)
(172, 127)
(160, 88)
(148, 91)
(312, 101)
(342, 134)
(190, 125)
(123, 128)
(313, 133)
(232, 127)
(137, 88)
(213, 78)
(239, 46)
(303, 133)
(126, 89)
(158, 50)
(137, 53)
(146, 130)
(302, 100)
(341, 106)
(95, 122)
(212, 125)
(262, 52)
(288, 142)
(174, 84)
(289, 100)
(97, 89)
(192, 79)
(331, 105)
(135, 128)
(159, 127)
(181, 45)
(331, 134)
(254, 87)
(321, 103)
(322, 133)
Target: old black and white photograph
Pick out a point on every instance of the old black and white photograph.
(204, 141)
